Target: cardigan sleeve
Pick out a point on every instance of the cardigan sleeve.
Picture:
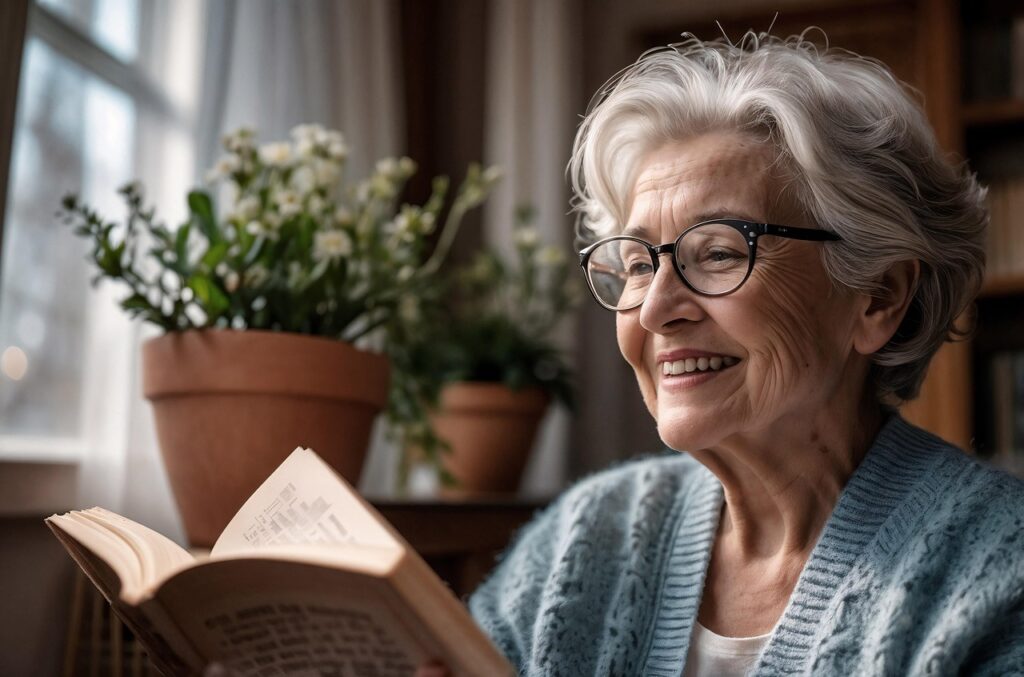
(507, 603)
(1002, 651)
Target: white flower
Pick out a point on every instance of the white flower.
(276, 154)
(329, 137)
(315, 204)
(526, 237)
(246, 208)
(405, 273)
(342, 216)
(222, 269)
(303, 179)
(305, 148)
(273, 220)
(240, 140)
(231, 281)
(493, 174)
(387, 166)
(400, 224)
(550, 256)
(331, 244)
(326, 171)
(225, 166)
(254, 227)
(383, 186)
(306, 132)
(427, 219)
(289, 203)
(338, 150)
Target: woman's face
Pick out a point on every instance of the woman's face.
(783, 341)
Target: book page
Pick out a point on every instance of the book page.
(304, 501)
(139, 556)
(260, 617)
(158, 556)
(108, 561)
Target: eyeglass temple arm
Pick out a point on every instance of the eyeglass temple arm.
(797, 233)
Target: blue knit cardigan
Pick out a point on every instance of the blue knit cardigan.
(918, 571)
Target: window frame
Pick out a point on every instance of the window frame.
(106, 415)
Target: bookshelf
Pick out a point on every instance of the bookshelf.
(992, 100)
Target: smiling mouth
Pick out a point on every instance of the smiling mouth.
(693, 365)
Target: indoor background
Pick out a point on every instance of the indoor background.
(96, 92)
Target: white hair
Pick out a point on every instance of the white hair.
(864, 163)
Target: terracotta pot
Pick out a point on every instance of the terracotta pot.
(491, 430)
(231, 405)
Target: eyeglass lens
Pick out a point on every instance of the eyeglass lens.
(713, 257)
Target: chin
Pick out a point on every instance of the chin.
(690, 431)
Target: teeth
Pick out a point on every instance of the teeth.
(691, 364)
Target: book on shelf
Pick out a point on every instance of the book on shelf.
(307, 578)
(1005, 243)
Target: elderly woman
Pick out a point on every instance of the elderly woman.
(785, 247)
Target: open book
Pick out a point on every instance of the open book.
(306, 579)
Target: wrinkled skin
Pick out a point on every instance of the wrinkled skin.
(791, 329)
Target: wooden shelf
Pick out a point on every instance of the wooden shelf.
(1004, 285)
(1002, 112)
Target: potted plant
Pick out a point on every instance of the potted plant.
(269, 309)
(487, 363)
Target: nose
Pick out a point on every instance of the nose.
(669, 301)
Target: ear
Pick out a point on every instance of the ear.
(882, 313)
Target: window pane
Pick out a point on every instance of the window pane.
(113, 24)
(73, 133)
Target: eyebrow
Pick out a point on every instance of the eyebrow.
(708, 215)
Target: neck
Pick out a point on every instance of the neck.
(782, 483)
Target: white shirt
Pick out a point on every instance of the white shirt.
(718, 656)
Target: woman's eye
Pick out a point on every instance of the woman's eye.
(638, 268)
(722, 255)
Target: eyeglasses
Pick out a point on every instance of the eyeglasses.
(712, 258)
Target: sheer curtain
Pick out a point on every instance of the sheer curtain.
(272, 65)
(533, 98)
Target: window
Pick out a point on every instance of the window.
(103, 99)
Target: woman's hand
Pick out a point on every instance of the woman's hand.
(432, 669)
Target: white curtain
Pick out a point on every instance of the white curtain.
(272, 65)
(532, 102)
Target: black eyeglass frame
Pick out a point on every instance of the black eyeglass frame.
(750, 230)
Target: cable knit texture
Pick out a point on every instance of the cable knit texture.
(918, 571)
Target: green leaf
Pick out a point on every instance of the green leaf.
(209, 295)
(202, 211)
(214, 255)
(181, 246)
(137, 302)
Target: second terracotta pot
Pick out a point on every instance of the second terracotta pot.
(491, 430)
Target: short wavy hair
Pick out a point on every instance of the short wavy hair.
(863, 162)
